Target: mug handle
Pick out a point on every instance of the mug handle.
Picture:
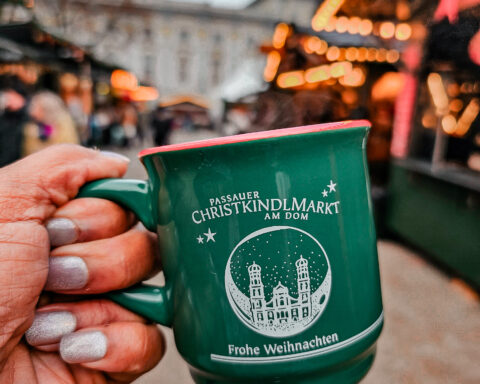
(151, 302)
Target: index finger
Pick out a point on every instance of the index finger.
(49, 178)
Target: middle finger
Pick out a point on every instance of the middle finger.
(103, 265)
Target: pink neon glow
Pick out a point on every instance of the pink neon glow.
(256, 136)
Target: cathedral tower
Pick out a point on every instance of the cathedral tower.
(257, 296)
(303, 281)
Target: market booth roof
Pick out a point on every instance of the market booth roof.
(31, 41)
(184, 102)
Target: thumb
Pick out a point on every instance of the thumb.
(51, 177)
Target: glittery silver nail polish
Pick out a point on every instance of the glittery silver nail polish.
(61, 231)
(49, 327)
(83, 347)
(68, 272)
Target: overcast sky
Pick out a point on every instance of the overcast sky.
(231, 4)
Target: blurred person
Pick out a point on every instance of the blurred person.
(187, 123)
(51, 123)
(53, 246)
(13, 116)
(129, 122)
(99, 125)
(161, 124)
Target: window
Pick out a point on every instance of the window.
(149, 67)
(184, 36)
(216, 68)
(182, 67)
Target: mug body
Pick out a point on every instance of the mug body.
(269, 248)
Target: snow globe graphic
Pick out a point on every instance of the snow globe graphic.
(278, 281)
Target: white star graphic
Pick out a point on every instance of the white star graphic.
(324, 193)
(332, 186)
(210, 235)
(200, 239)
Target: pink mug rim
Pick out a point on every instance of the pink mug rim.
(255, 136)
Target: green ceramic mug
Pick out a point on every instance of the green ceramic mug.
(269, 253)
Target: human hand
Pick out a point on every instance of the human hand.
(95, 250)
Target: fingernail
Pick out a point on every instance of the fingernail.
(115, 155)
(61, 231)
(49, 327)
(83, 347)
(69, 272)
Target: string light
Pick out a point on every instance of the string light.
(467, 118)
(353, 25)
(381, 55)
(341, 25)
(313, 44)
(437, 92)
(271, 68)
(455, 105)
(340, 69)
(280, 35)
(362, 54)
(387, 30)
(333, 53)
(330, 27)
(448, 124)
(355, 78)
(291, 79)
(365, 28)
(328, 9)
(351, 54)
(317, 74)
(371, 54)
(403, 32)
(323, 48)
(393, 56)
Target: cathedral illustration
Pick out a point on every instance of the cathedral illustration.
(282, 308)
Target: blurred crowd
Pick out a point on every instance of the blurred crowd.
(34, 118)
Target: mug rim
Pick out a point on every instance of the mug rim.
(254, 136)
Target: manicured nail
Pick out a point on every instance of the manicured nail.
(115, 155)
(83, 347)
(69, 272)
(49, 327)
(61, 231)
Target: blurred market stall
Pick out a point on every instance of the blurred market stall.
(434, 184)
(54, 91)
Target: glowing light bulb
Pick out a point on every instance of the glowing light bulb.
(280, 35)
(403, 32)
(387, 30)
(353, 25)
(393, 56)
(351, 54)
(365, 27)
(341, 25)
(333, 53)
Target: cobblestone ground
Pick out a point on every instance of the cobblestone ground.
(432, 324)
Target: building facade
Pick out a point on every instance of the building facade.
(181, 48)
(282, 308)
